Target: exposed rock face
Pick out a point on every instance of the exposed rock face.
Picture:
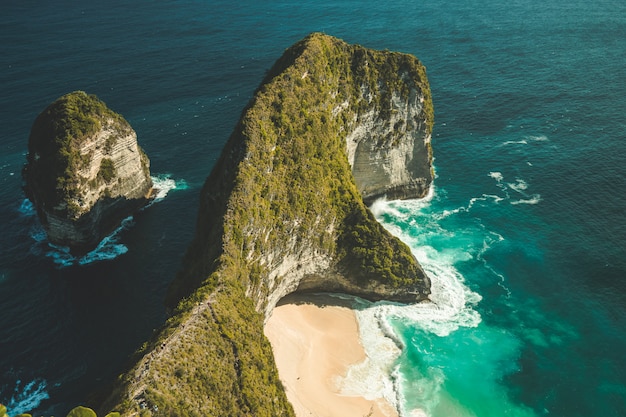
(283, 211)
(400, 166)
(85, 171)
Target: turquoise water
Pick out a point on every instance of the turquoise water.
(523, 236)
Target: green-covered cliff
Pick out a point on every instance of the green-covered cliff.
(283, 211)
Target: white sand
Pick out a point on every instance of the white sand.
(314, 345)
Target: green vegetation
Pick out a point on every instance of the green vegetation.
(222, 367)
(110, 142)
(53, 157)
(76, 412)
(107, 170)
(82, 412)
(283, 180)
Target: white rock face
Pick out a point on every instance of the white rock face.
(392, 158)
(129, 164)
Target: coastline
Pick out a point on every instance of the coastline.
(315, 340)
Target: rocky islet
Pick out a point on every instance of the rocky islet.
(85, 171)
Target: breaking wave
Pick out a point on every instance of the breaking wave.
(422, 357)
(109, 247)
(27, 397)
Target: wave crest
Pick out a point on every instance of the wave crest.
(110, 247)
(26, 398)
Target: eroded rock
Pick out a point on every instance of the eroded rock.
(85, 171)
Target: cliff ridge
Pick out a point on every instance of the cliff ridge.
(283, 210)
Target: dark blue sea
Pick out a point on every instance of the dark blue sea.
(524, 234)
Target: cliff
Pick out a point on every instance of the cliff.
(85, 171)
(282, 211)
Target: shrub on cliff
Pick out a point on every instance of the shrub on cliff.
(107, 170)
(79, 411)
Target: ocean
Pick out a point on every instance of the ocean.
(523, 235)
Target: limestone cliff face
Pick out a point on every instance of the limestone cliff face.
(282, 211)
(400, 166)
(85, 171)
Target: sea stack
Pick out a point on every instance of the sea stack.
(85, 171)
(331, 127)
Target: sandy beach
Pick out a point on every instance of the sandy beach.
(315, 342)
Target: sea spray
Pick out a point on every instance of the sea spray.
(110, 247)
(163, 184)
(438, 358)
(450, 306)
(27, 397)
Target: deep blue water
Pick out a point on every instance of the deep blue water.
(524, 234)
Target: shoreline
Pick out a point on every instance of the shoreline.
(316, 340)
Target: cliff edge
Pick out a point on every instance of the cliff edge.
(85, 171)
(283, 210)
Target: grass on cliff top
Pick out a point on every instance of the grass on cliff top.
(220, 365)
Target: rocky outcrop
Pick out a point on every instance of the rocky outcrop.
(282, 211)
(85, 171)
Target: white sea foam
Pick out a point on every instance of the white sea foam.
(496, 176)
(37, 233)
(27, 208)
(28, 397)
(484, 198)
(451, 306)
(418, 413)
(514, 142)
(519, 185)
(163, 184)
(110, 247)
(526, 140)
(492, 239)
(534, 199)
(371, 378)
(402, 208)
